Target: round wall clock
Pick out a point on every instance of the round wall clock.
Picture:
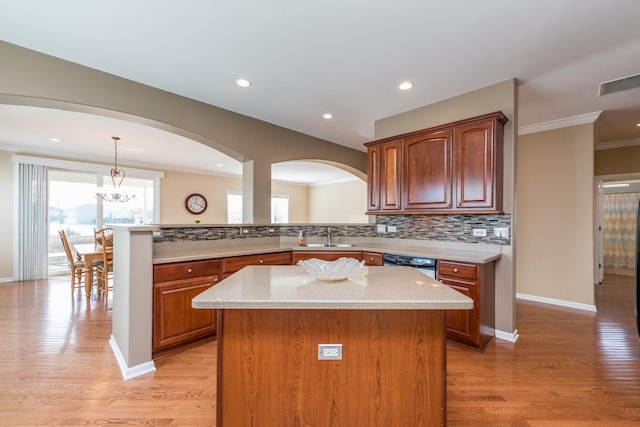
(196, 203)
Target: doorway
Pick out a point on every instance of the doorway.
(618, 199)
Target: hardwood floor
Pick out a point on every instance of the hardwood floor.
(569, 367)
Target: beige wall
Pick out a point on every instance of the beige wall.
(498, 97)
(555, 214)
(6, 215)
(31, 78)
(298, 200)
(176, 186)
(617, 161)
(339, 202)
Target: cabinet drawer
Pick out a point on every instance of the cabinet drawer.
(457, 269)
(372, 258)
(184, 270)
(233, 264)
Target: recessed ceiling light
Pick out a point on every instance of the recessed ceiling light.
(219, 165)
(405, 86)
(54, 139)
(243, 82)
(327, 116)
(638, 124)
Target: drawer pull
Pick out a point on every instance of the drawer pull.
(455, 270)
(189, 270)
(261, 261)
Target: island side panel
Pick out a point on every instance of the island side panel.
(393, 370)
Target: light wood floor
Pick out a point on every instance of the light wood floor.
(569, 367)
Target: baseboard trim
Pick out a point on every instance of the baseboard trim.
(553, 301)
(127, 372)
(7, 279)
(508, 336)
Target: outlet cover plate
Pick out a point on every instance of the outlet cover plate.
(329, 351)
(479, 232)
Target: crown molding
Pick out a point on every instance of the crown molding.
(559, 123)
(618, 144)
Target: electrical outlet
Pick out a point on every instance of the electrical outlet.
(392, 228)
(329, 351)
(479, 232)
(381, 228)
(501, 232)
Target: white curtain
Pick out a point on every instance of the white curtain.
(32, 235)
(620, 212)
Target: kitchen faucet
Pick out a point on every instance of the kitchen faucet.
(328, 236)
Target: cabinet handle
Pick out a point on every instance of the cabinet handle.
(215, 280)
(459, 204)
(189, 270)
(261, 261)
(455, 270)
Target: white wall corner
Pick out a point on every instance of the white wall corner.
(127, 372)
(508, 336)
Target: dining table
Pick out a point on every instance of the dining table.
(89, 252)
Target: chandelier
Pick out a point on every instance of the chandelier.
(117, 176)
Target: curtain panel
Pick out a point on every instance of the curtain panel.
(620, 212)
(32, 256)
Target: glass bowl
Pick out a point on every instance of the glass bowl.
(331, 271)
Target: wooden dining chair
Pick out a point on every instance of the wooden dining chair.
(78, 268)
(105, 269)
(107, 232)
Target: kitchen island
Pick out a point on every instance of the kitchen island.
(386, 359)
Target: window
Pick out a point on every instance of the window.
(234, 208)
(135, 211)
(279, 209)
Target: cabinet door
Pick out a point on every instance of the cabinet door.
(372, 258)
(373, 178)
(477, 165)
(390, 175)
(428, 176)
(174, 320)
(463, 324)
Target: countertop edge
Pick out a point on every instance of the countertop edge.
(462, 255)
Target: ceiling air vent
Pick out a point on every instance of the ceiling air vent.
(619, 85)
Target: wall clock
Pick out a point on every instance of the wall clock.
(196, 203)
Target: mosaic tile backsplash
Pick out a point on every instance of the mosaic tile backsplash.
(452, 228)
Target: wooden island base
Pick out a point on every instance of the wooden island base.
(392, 372)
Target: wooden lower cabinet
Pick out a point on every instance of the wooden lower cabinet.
(230, 265)
(175, 285)
(392, 372)
(372, 258)
(476, 327)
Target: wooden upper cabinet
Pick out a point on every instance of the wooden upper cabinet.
(384, 176)
(427, 178)
(390, 175)
(478, 165)
(373, 178)
(444, 169)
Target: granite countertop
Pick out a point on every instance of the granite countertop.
(199, 253)
(290, 287)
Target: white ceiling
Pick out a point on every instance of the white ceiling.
(308, 58)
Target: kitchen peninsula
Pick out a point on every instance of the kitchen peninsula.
(388, 321)
(139, 252)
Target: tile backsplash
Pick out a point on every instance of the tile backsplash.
(454, 228)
